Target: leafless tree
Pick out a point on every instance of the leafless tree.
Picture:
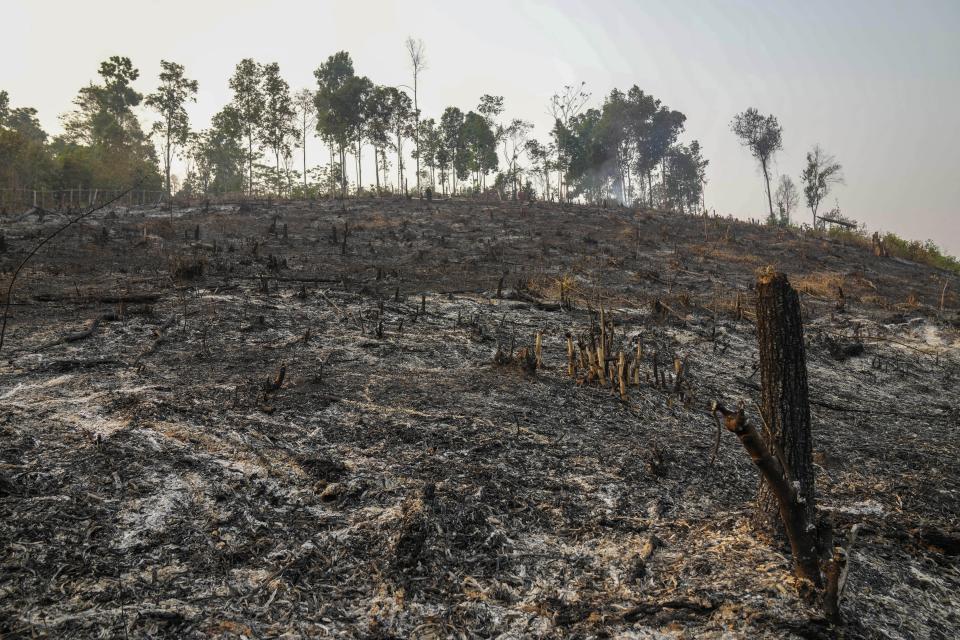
(305, 107)
(418, 62)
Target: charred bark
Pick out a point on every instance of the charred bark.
(784, 397)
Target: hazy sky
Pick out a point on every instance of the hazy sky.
(877, 83)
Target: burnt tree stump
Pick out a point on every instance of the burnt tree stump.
(784, 397)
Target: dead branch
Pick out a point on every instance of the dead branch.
(800, 531)
(161, 336)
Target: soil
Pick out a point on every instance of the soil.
(229, 422)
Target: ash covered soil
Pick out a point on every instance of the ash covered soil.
(273, 433)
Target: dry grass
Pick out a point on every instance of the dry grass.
(822, 284)
(722, 254)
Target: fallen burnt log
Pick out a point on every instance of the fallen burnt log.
(92, 327)
(143, 297)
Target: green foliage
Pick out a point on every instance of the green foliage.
(169, 100)
(248, 106)
(479, 145)
(453, 154)
(819, 176)
(763, 137)
(277, 126)
(685, 176)
(924, 252)
(104, 122)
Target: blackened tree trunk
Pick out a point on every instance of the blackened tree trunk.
(785, 401)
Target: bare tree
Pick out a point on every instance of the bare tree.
(563, 107)
(763, 136)
(787, 198)
(174, 126)
(306, 110)
(418, 62)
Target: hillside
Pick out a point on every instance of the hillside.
(287, 421)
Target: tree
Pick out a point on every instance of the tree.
(248, 105)
(306, 110)
(169, 100)
(451, 132)
(336, 110)
(480, 146)
(490, 108)
(821, 174)
(25, 161)
(219, 147)
(588, 157)
(685, 176)
(514, 138)
(763, 136)
(355, 93)
(563, 106)
(104, 134)
(378, 127)
(787, 198)
(401, 112)
(429, 136)
(540, 156)
(277, 125)
(418, 62)
(641, 109)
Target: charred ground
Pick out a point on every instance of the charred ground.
(273, 431)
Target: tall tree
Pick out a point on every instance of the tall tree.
(480, 147)
(763, 136)
(356, 92)
(430, 145)
(401, 114)
(221, 149)
(540, 156)
(615, 129)
(306, 110)
(277, 125)
(821, 174)
(589, 158)
(451, 132)
(25, 161)
(174, 92)
(514, 138)
(104, 121)
(642, 109)
(379, 127)
(335, 109)
(563, 107)
(248, 105)
(490, 108)
(418, 63)
(685, 176)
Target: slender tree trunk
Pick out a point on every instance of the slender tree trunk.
(784, 395)
(250, 160)
(399, 161)
(304, 158)
(416, 131)
(359, 166)
(376, 167)
(276, 154)
(166, 154)
(766, 179)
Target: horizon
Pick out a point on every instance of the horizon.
(850, 83)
